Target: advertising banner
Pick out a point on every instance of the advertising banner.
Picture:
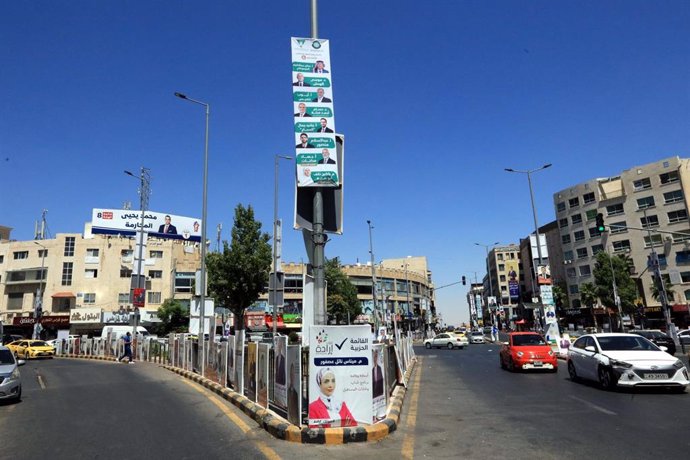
(294, 392)
(127, 222)
(262, 375)
(478, 304)
(85, 315)
(378, 383)
(543, 274)
(492, 303)
(231, 359)
(514, 290)
(340, 380)
(250, 371)
(280, 372)
(239, 361)
(314, 120)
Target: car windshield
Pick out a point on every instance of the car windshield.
(528, 340)
(477, 333)
(38, 343)
(625, 343)
(6, 357)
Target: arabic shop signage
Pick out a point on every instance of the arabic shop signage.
(128, 222)
(85, 315)
(45, 321)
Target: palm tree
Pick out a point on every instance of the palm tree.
(668, 287)
(588, 296)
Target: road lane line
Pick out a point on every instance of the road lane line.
(408, 444)
(593, 406)
(40, 382)
(244, 427)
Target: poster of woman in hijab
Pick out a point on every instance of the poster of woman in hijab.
(328, 409)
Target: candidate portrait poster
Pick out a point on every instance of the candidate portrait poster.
(250, 371)
(231, 360)
(340, 376)
(262, 375)
(280, 372)
(293, 361)
(378, 385)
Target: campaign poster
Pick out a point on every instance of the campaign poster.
(231, 360)
(340, 380)
(239, 361)
(378, 385)
(262, 375)
(293, 362)
(250, 371)
(314, 120)
(127, 222)
(280, 372)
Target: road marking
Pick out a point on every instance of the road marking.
(244, 427)
(408, 444)
(593, 406)
(40, 379)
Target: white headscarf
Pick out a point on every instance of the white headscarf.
(331, 402)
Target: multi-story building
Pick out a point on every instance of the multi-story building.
(85, 279)
(507, 278)
(648, 198)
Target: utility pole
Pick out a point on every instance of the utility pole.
(373, 279)
(38, 304)
(219, 230)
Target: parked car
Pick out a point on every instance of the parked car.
(477, 337)
(28, 349)
(446, 340)
(9, 338)
(527, 350)
(10, 380)
(625, 360)
(684, 337)
(659, 338)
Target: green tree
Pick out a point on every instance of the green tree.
(668, 287)
(174, 317)
(603, 279)
(342, 294)
(239, 274)
(588, 294)
(560, 296)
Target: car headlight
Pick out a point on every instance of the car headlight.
(15, 374)
(678, 364)
(622, 364)
(550, 352)
(519, 354)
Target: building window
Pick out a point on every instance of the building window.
(89, 298)
(2, 259)
(502, 278)
(19, 255)
(560, 207)
(649, 221)
(677, 216)
(577, 219)
(591, 214)
(620, 246)
(579, 235)
(156, 254)
(585, 270)
(153, 297)
(570, 272)
(614, 209)
(682, 257)
(565, 239)
(184, 280)
(92, 252)
(656, 239)
(685, 277)
(125, 272)
(618, 227)
(67, 268)
(687, 295)
(69, 246)
(501, 267)
(15, 300)
(673, 197)
(42, 253)
(123, 297)
(574, 202)
(642, 184)
(645, 203)
(594, 232)
(568, 255)
(597, 248)
(563, 223)
(155, 274)
(678, 237)
(499, 256)
(669, 177)
(574, 289)
(91, 273)
(588, 198)
(127, 256)
(582, 253)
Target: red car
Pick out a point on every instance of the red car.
(527, 350)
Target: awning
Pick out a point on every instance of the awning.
(64, 294)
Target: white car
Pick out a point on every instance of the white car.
(684, 337)
(625, 360)
(477, 337)
(446, 340)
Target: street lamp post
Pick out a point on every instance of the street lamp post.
(38, 304)
(202, 290)
(534, 215)
(373, 278)
(488, 273)
(407, 288)
(144, 191)
(275, 242)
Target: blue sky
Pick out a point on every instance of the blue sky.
(435, 98)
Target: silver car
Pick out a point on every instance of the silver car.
(446, 340)
(10, 381)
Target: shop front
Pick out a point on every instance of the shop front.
(49, 325)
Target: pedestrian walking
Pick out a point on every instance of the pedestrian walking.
(127, 339)
(494, 333)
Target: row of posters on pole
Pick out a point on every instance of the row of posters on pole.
(314, 120)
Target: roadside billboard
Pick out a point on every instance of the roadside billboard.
(160, 225)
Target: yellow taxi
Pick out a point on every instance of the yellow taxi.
(28, 349)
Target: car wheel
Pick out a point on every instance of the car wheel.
(511, 365)
(572, 372)
(26, 355)
(606, 378)
(503, 364)
(427, 345)
(19, 395)
(450, 346)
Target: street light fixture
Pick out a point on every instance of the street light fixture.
(202, 297)
(534, 214)
(275, 243)
(38, 304)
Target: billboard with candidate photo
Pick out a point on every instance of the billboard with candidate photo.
(156, 224)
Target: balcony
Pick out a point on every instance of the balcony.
(91, 259)
(26, 276)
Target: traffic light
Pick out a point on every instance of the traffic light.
(600, 223)
(464, 281)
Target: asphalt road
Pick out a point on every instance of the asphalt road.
(459, 404)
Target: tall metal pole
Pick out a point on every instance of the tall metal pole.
(407, 281)
(38, 305)
(202, 290)
(275, 242)
(373, 278)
